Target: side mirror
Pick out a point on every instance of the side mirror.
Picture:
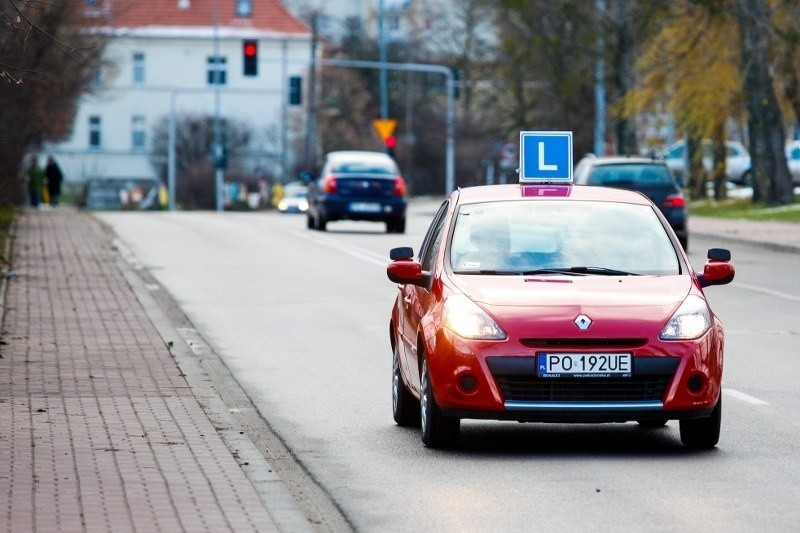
(404, 269)
(718, 270)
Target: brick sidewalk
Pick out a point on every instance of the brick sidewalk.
(99, 430)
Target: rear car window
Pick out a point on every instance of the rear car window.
(365, 167)
(630, 174)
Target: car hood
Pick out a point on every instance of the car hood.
(614, 304)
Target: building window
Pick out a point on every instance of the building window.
(138, 132)
(392, 23)
(217, 70)
(138, 68)
(244, 8)
(94, 132)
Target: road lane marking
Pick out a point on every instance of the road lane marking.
(360, 253)
(744, 397)
(762, 290)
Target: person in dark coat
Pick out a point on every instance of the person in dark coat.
(54, 177)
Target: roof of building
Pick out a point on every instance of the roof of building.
(154, 17)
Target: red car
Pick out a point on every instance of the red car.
(555, 303)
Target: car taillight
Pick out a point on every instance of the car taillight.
(399, 186)
(676, 200)
(329, 185)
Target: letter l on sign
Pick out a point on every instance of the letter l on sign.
(542, 164)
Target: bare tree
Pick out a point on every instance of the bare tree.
(195, 185)
(771, 179)
(47, 61)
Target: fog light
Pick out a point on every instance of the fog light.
(467, 383)
(696, 383)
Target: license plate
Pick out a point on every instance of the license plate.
(365, 207)
(584, 365)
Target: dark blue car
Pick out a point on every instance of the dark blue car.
(356, 185)
(651, 177)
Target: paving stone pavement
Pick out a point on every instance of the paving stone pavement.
(99, 430)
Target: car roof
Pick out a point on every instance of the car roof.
(566, 193)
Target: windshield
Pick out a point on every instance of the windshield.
(574, 238)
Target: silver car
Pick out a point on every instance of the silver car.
(737, 160)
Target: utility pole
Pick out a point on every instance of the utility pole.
(599, 84)
(218, 150)
(311, 121)
(382, 47)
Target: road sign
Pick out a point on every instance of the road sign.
(385, 127)
(545, 156)
(509, 157)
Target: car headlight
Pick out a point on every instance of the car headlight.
(690, 321)
(463, 317)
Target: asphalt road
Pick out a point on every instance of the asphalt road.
(301, 320)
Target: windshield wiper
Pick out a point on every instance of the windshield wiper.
(602, 271)
(570, 271)
(567, 271)
(580, 270)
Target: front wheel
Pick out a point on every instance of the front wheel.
(702, 433)
(405, 407)
(438, 431)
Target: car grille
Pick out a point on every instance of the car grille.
(517, 380)
(535, 389)
(626, 343)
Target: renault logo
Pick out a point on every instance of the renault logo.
(583, 322)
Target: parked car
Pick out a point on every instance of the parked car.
(295, 199)
(649, 176)
(358, 185)
(554, 303)
(737, 161)
(793, 160)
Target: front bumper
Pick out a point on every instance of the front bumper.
(676, 380)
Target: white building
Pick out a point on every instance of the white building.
(166, 57)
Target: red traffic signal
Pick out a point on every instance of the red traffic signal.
(390, 142)
(250, 53)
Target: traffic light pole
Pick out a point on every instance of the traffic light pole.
(451, 110)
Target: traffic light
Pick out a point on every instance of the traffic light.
(389, 144)
(295, 90)
(250, 56)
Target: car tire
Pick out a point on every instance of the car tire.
(405, 407)
(321, 222)
(438, 430)
(747, 179)
(310, 222)
(702, 433)
(396, 225)
(653, 424)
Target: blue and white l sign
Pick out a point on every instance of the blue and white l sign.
(545, 157)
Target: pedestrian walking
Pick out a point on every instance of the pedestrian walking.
(35, 178)
(54, 178)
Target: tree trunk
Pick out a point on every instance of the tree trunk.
(771, 180)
